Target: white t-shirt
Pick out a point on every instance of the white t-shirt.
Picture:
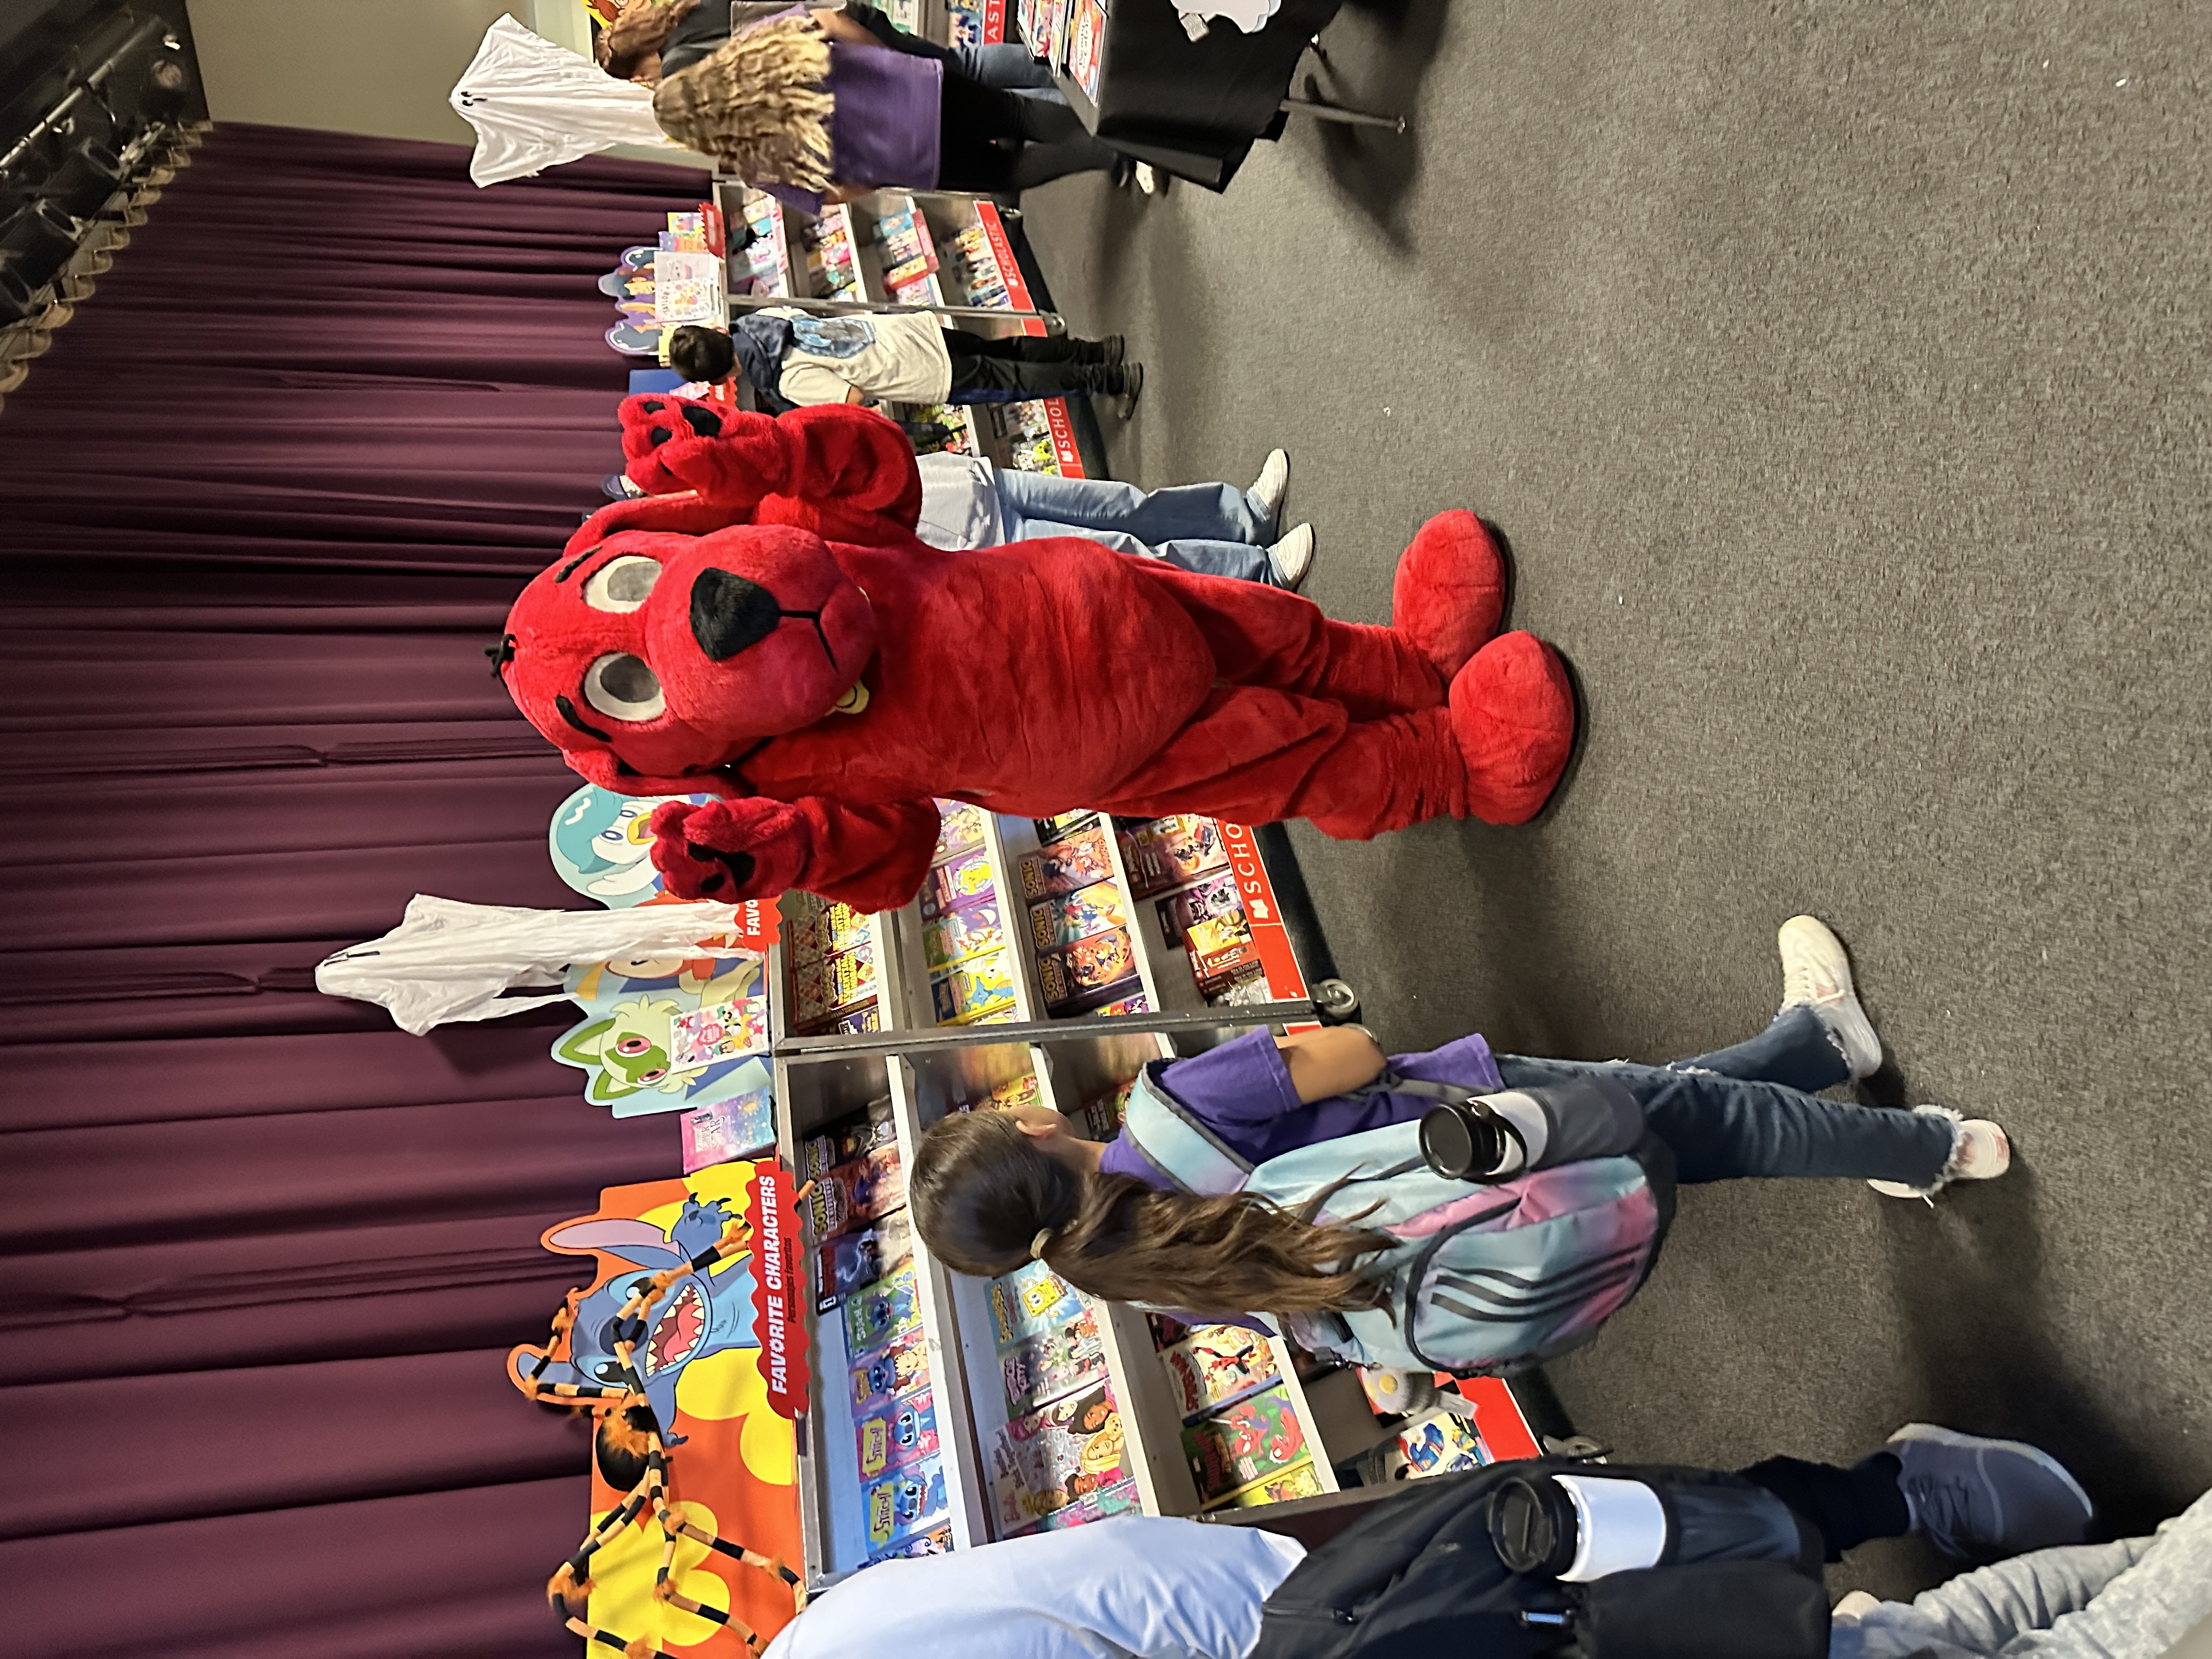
(1145, 1586)
(959, 503)
(891, 356)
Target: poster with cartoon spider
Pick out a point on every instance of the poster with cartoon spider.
(731, 1460)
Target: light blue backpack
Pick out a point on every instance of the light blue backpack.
(1482, 1278)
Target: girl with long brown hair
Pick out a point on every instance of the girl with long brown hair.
(1173, 1213)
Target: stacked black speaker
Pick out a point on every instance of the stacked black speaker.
(98, 101)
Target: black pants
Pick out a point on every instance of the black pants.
(992, 371)
(1846, 1507)
(995, 142)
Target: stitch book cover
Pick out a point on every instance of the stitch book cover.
(897, 1433)
(733, 1461)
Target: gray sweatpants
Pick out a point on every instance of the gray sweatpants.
(2131, 1600)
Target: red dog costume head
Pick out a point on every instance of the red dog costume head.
(650, 659)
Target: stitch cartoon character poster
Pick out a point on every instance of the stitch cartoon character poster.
(732, 1460)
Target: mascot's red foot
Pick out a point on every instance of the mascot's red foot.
(1449, 595)
(1513, 713)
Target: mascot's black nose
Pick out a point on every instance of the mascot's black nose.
(729, 613)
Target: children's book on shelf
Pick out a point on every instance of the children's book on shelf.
(972, 992)
(1168, 852)
(1090, 971)
(1076, 861)
(853, 1194)
(1030, 1301)
(1018, 1091)
(961, 880)
(849, 1138)
(1249, 1440)
(1055, 1362)
(852, 1022)
(1438, 1441)
(823, 928)
(1207, 899)
(1299, 1480)
(1101, 1116)
(934, 1540)
(959, 826)
(1136, 1004)
(897, 1433)
(833, 984)
(1054, 1457)
(1049, 830)
(973, 929)
(897, 1368)
(1087, 44)
(1071, 916)
(879, 1314)
(845, 1263)
(903, 1502)
(1215, 1364)
(727, 1130)
(1097, 1503)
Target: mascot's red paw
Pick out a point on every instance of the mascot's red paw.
(1514, 714)
(1450, 592)
(727, 850)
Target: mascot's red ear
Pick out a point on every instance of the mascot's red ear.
(600, 766)
(684, 515)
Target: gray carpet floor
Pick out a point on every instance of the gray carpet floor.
(1839, 374)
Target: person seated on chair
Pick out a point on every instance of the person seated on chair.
(795, 360)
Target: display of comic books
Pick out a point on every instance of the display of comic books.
(878, 1314)
(1089, 968)
(1030, 1301)
(823, 928)
(972, 930)
(1204, 900)
(845, 1263)
(972, 990)
(849, 1138)
(1054, 1456)
(1139, 1003)
(1256, 1436)
(903, 1502)
(961, 878)
(852, 1194)
(728, 1129)
(833, 984)
(1215, 1364)
(1022, 1090)
(959, 826)
(1299, 1480)
(1171, 850)
(1438, 1441)
(1065, 866)
(1071, 916)
(898, 1369)
(1087, 44)
(897, 1433)
(1041, 1368)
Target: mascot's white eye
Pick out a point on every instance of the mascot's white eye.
(621, 584)
(623, 686)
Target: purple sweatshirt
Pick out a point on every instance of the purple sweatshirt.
(883, 126)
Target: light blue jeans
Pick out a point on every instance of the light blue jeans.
(1215, 529)
(2130, 1600)
(1009, 68)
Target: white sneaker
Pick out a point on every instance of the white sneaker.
(1982, 1151)
(1816, 974)
(1147, 180)
(1292, 556)
(1272, 485)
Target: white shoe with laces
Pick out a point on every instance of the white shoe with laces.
(1292, 556)
(1273, 484)
(1816, 974)
(1980, 1152)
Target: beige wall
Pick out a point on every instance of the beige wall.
(377, 66)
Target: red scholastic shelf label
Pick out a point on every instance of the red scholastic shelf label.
(1010, 269)
(994, 23)
(1277, 960)
(780, 1294)
(1068, 458)
(1498, 1416)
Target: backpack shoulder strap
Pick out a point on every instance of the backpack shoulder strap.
(1175, 1144)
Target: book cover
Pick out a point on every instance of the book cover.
(728, 1129)
(881, 1313)
(959, 826)
(978, 988)
(1171, 850)
(973, 929)
(1299, 1480)
(1077, 861)
(833, 984)
(903, 1502)
(851, 1194)
(721, 1030)
(1249, 1440)
(1040, 1368)
(961, 878)
(1094, 967)
(823, 928)
(1204, 900)
(1438, 1441)
(1051, 830)
(1100, 1503)
(1068, 917)
(899, 1369)
(897, 1433)
(1215, 1364)
(1056, 1455)
(853, 1021)
(844, 1264)
(935, 1539)
(1102, 1117)
(1029, 1301)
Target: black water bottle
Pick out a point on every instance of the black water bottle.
(1465, 1140)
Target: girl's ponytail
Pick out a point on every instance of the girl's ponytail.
(985, 1199)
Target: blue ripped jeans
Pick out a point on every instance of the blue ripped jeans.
(1751, 1110)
